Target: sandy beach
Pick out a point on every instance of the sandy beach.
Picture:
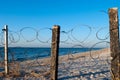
(92, 65)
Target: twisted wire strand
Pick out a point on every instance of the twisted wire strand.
(21, 33)
(86, 37)
(1, 39)
(38, 35)
(104, 38)
(66, 39)
(15, 37)
(69, 37)
(103, 11)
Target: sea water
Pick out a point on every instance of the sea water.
(27, 53)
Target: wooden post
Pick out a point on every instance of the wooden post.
(114, 43)
(54, 51)
(6, 48)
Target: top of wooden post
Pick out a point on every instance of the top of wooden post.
(114, 8)
(6, 26)
(56, 26)
(113, 15)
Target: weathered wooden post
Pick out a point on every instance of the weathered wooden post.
(6, 48)
(114, 43)
(54, 51)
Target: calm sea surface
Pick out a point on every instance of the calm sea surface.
(25, 53)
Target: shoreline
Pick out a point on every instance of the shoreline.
(101, 52)
(64, 58)
(74, 64)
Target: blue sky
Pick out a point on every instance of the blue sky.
(38, 14)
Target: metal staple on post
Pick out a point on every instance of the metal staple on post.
(6, 48)
(114, 43)
(54, 52)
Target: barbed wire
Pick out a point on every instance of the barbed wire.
(94, 63)
(33, 64)
(103, 38)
